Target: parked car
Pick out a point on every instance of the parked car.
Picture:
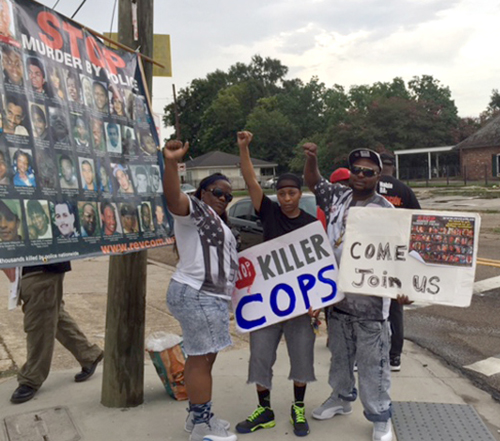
(242, 216)
(270, 183)
(188, 189)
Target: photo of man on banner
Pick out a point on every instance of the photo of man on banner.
(70, 119)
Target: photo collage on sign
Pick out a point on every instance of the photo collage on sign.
(78, 162)
(444, 240)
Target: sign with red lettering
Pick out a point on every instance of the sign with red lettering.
(80, 169)
(284, 278)
(246, 273)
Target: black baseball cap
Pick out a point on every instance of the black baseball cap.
(365, 154)
(387, 158)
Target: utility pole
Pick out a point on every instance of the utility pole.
(123, 377)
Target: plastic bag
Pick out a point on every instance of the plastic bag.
(168, 358)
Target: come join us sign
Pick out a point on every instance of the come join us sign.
(430, 256)
(284, 278)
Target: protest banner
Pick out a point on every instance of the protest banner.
(284, 277)
(80, 170)
(430, 256)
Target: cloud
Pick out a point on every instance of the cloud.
(341, 41)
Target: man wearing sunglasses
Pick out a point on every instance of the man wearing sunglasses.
(277, 220)
(358, 329)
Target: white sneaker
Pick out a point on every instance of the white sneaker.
(211, 431)
(331, 407)
(189, 424)
(382, 431)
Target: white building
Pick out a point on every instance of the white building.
(227, 164)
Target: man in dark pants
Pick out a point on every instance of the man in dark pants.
(45, 320)
(401, 196)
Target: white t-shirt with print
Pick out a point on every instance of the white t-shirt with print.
(208, 260)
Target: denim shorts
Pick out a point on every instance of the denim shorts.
(204, 319)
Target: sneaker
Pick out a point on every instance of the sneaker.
(395, 363)
(331, 407)
(382, 431)
(211, 431)
(189, 424)
(262, 418)
(298, 420)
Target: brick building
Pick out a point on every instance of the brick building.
(480, 152)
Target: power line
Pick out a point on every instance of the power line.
(79, 7)
(57, 2)
(113, 17)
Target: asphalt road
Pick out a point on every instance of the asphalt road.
(462, 336)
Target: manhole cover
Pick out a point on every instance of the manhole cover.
(438, 422)
(53, 424)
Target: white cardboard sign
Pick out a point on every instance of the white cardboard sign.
(430, 256)
(284, 277)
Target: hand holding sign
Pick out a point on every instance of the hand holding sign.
(422, 255)
(291, 275)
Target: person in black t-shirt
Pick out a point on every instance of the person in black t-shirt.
(45, 320)
(277, 220)
(401, 196)
(395, 191)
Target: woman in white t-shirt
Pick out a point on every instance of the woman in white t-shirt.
(200, 290)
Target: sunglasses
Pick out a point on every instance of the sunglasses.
(367, 172)
(217, 192)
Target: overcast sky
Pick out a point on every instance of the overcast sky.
(348, 42)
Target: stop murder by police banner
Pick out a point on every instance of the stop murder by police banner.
(430, 256)
(284, 277)
(80, 170)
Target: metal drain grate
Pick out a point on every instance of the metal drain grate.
(438, 422)
(53, 424)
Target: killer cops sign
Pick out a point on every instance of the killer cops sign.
(284, 277)
(430, 256)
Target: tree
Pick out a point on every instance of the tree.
(262, 78)
(222, 119)
(304, 105)
(493, 108)
(274, 135)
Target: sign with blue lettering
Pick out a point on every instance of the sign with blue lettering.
(430, 256)
(284, 278)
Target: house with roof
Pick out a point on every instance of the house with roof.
(480, 152)
(227, 164)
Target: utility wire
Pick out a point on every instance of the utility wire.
(79, 7)
(113, 17)
(57, 2)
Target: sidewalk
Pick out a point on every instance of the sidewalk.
(422, 379)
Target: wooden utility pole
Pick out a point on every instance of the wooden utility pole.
(123, 377)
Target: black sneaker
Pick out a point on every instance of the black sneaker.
(395, 363)
(298, 420)
(261, 418)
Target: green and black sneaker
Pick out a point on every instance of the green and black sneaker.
(261, 418)
(298, 420)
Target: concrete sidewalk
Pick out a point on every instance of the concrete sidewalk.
(423, 378)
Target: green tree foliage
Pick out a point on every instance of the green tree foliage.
(493, 108)
(284, 113)
(198, 114)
